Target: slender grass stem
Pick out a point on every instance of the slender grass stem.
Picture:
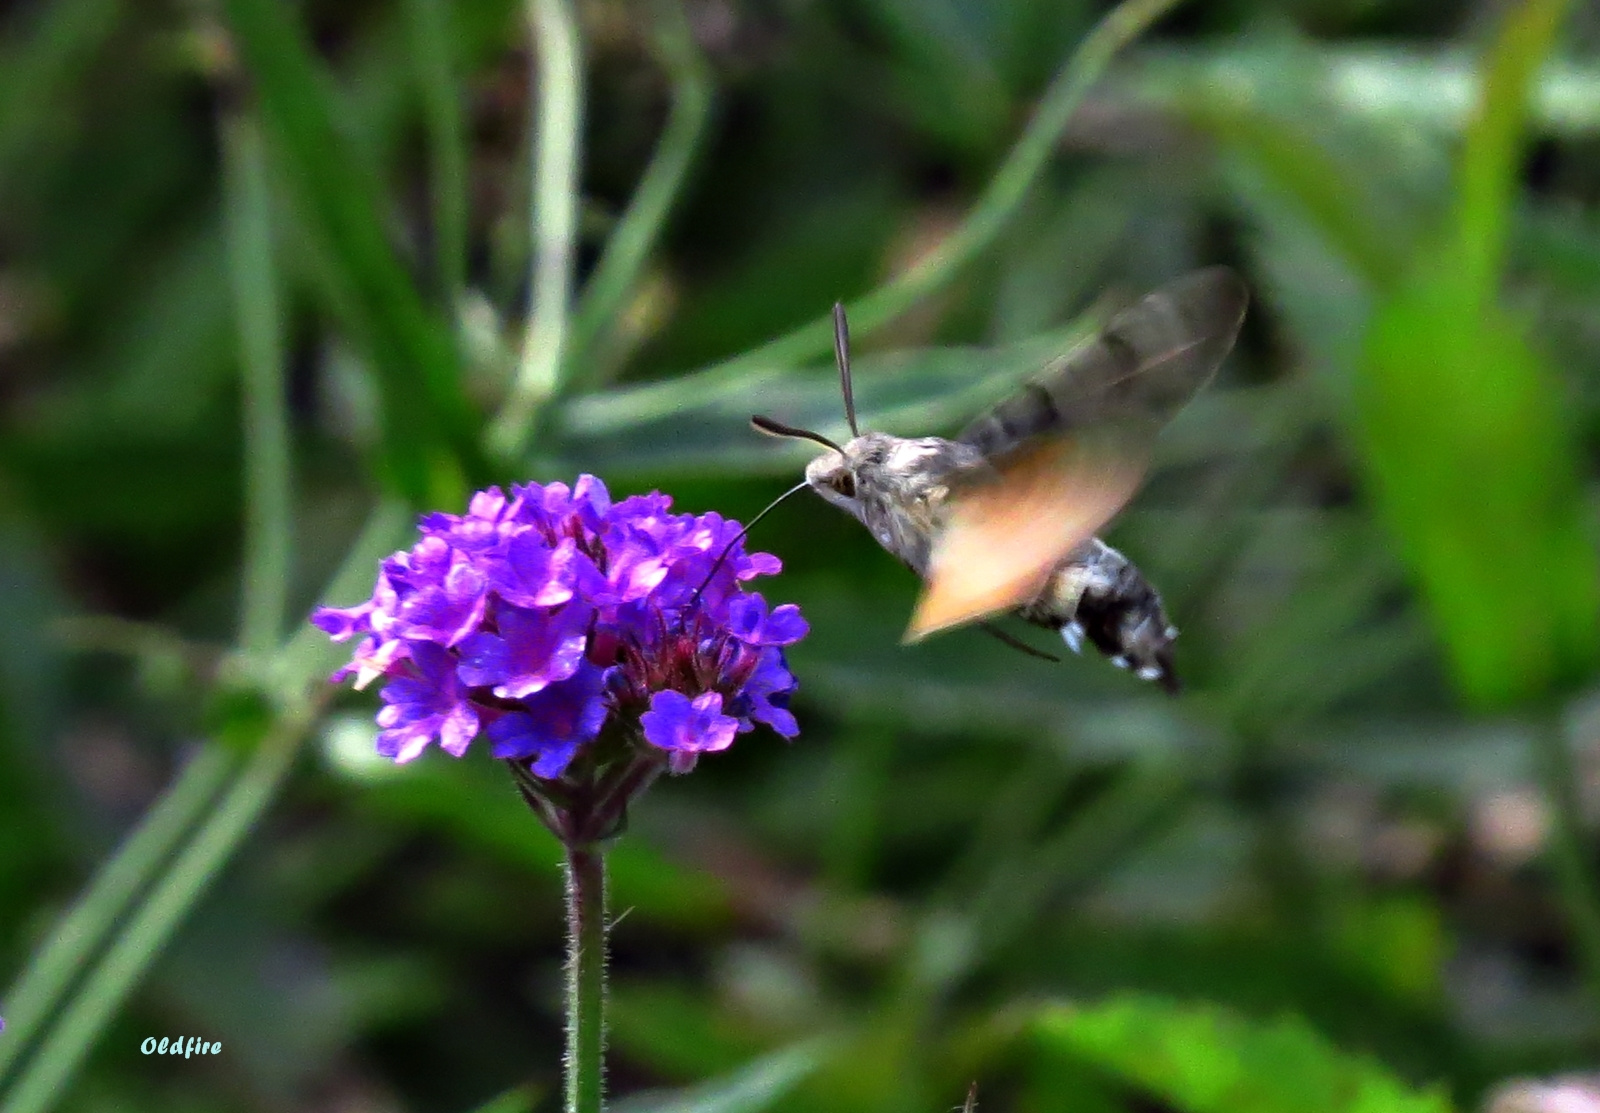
(85, 927)
(308, 655)
(431, 32)
(629, 247)
(586, 979)
(45, 1080)
(247, 204)
(558, 113)
(1569, 847)
(149, 927)
(999, 202)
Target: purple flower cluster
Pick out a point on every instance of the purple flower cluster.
(539, 617)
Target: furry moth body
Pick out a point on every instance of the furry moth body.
(1004, 517)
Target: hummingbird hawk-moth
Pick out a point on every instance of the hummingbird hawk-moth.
(1004, 517)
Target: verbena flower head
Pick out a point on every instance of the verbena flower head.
(542, 619)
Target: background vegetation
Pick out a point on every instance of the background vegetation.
(264, 274)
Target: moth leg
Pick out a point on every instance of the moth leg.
(1016, 643)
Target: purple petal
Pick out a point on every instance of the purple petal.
(533, 574)
(759, 564)
(554, 724)
(541, 648)
(485, 660)
(341, 623)
(677, 723)
(459, 728)
(785, 626)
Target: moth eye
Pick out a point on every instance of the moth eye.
(845, 484)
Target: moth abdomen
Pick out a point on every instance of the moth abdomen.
(1100, 596)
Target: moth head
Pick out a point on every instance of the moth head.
(833, 476)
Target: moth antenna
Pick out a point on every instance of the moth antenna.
(773, 428)
(841, 356)
(738, 537)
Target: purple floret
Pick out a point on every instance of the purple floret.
(423, 702)
(681, 725)
(553, 723)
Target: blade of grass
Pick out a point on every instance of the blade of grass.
(149, 928)
(1452, 385)
(994, 208)
(48, 1074)
(557, 109)
(428, 424)
(56, 965)
(753, 1088)
(1408, 87)
(268, 518)
(614, 278)
(308, 656)
(1490, 167)
(1337, 201)
(432, 37)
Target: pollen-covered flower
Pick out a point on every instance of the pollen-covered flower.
(543, 617)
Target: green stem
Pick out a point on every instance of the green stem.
(616, 274)
(44, 1083)
(268, 515)
(1569, 847)
(431, 38)
(586, 978)
(82, 931)
(999, 202)
(553, 213)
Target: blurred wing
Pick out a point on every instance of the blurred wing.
(1004, 535)
(1136, 374)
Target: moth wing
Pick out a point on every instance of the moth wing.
(1138, 371)
(1068, 450)
(1005, 532)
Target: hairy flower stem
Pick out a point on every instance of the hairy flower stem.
(586, 978)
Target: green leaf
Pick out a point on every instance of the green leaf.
(699, 431)
(1203, 1059)
(750, 1090)
(1491, 162)
(1351, 213)
(1474, 466)
(678, 1032)
(522, 1099)
(1466, 435)
(410, 348)
(1406, 87)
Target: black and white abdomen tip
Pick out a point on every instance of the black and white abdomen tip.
(1099, 596)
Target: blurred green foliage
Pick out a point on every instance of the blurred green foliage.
(264, 278)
